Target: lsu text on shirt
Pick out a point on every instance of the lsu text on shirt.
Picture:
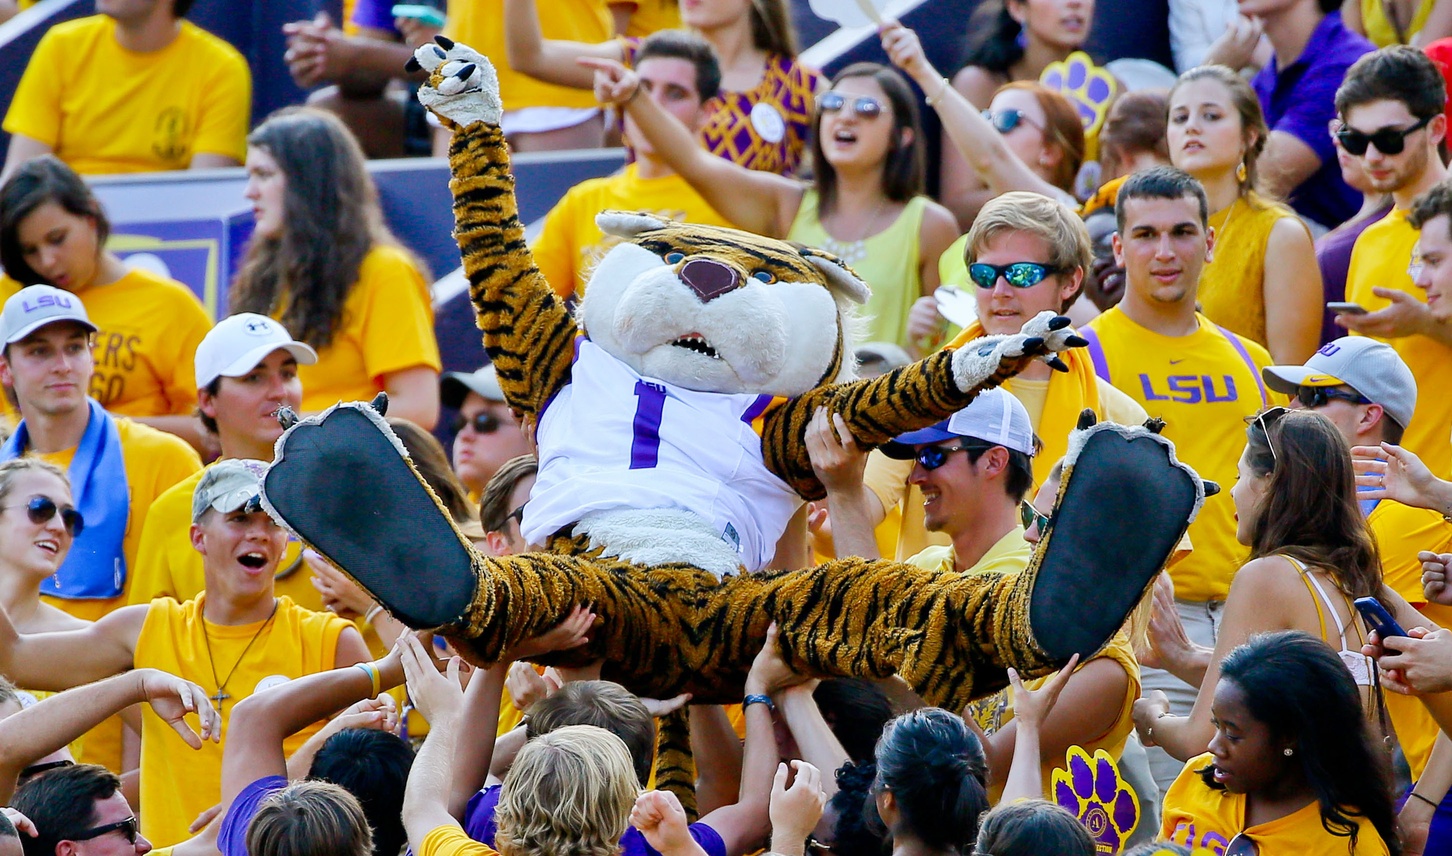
(105, 109)
(1204, 385)
(1380, 259)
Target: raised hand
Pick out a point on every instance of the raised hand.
(172, 698)
(615, 84)
(795, 811)
(659, 817)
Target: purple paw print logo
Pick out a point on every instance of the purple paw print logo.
(1091, 790)
(1088, 87)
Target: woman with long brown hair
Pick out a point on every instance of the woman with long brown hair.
(1311, 556)
(322, 262)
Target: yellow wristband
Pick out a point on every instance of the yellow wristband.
(372, 672)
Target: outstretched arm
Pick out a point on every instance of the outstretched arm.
(550, 60)
(756, 201)
(69, 658)
(50, 725)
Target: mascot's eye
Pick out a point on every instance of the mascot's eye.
(765, 276)
(674, 258)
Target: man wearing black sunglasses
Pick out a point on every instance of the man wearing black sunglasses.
(486, 434)
(79, 810)
(1391, 109)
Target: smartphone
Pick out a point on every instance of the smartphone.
(1377, 618)
(1347, 308)
(419, 12)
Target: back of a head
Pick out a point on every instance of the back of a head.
(1161, 182)
(568, 793)
(934, 766)
(1136, 123)
(10, 843)
(856, 710)
(62, 803)
(603, 704)
(1397, 73)
(310, 818)
(1032, 828)
(373, 766)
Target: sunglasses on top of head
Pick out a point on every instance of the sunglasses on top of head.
(484, 422)
(41, 509)
(1388, 141)
(1016, 274)
(863, 107)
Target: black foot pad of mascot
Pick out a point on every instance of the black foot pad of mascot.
(670, 412)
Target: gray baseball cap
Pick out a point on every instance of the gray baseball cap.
(454, 387)
(1374, 369)
(227, 486)
(35, 306)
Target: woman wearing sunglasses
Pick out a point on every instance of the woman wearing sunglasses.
(1292, 767)
(1311, 556)
(865, 204)
(1217, 133)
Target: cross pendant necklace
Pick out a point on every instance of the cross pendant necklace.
(221, 695)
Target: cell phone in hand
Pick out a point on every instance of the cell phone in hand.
(1346, 308)
(419, 12)
(1377, 618)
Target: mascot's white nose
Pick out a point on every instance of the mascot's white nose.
(709, 278)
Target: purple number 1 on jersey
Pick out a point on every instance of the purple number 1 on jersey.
(645, 447)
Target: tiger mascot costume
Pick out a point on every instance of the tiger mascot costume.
(670, 420)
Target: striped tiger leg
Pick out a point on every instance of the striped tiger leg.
(675, 765)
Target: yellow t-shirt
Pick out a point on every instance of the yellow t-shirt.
(1204, 386)
(652, 16)
(1380, 259)
(570, 244)
(1196, 815)
(169, 566)
(1232, 286)
(450, 840)
(997, 710)
(1401, 531)
(104, 109)
(178, 782)
(480, 24)
(145, 351)
(1379, 28)
(1008, 555)
(388, 326)
(889, 262)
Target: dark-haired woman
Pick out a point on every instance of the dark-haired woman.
(323, 263)
(1292, 767)
(53, 231)
(1311, 555)
(866, 204)
(761, 116)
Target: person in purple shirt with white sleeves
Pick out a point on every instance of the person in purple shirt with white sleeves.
(1297, 90)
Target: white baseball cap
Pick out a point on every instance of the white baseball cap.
(35, 306)
(238, 343)
(995, 417)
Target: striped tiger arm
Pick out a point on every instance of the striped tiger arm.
(906, 399)
(528, 333)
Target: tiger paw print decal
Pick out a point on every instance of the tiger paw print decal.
(1088, 87)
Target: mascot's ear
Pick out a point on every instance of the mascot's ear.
(840, 278)
(628, 224)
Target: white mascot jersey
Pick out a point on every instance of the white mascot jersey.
(613, 440)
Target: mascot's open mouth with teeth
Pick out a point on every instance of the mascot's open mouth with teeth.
(670, 415)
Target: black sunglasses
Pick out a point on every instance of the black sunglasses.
(1388, 141)
(1004, 121)
(1264, 420)
(862, 106)
(126, 827)
(1016, 274)
(1031, 516)
(517, 515)
(484, 422)
(42, 508)
(44, 767)
(932, 457)
(1312, 397)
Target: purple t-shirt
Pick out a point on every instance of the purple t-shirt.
(1300, 100)
(479, 824)
(232, 837)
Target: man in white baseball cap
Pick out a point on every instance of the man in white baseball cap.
(973, 469)
(246, 369)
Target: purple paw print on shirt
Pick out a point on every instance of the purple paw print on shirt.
(1088, 87)
(1091, 790)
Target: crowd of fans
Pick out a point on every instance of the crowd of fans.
(1265, 248)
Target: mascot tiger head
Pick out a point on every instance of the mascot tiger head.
(720, 310)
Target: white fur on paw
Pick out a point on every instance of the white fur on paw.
(976, 361)
(463, 86)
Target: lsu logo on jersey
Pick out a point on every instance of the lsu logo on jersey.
(1189, 389)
